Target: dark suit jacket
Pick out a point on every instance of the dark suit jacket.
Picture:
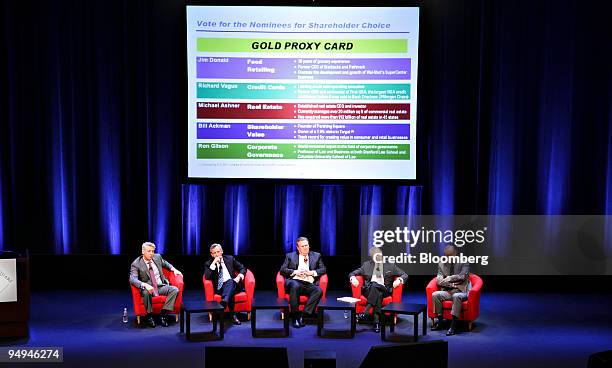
(232, 265)
(139, 272)
(390, 271)
(458, 279)
(292, 261)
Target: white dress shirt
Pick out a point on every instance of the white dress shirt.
(224, 274)
(377, 275)
(304, 266)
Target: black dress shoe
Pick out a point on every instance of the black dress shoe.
(235, 320)
(296, 323)
(377, 327)
(436, 325)
(163, 320)
(362, 317)
(223, 303)
(451, 330)
(301, 321)
(149, 321)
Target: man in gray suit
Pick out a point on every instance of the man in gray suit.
(379, 280)
(454, 284)
(147, 275)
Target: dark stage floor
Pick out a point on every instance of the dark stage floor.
(514, 330)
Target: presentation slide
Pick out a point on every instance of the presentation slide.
(302, 92)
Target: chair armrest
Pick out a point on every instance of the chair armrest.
(323, 280)
(137, 301)
(178, 282)
(249, 286)
(356, 290)
(477, 284)
(135, 294)
(209, 290)
(280, 285)
(397, 292)
(474, 299)
(431, 287)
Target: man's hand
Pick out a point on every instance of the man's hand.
(354, 281)
(304, 273)
(177, 272)
(237, 279)
(396, 283)
(148, 287)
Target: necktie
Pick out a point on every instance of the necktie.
(220, 277)
(153, 280)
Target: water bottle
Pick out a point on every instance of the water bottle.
(345, 314)
(125, 315)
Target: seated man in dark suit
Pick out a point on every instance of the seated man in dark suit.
(302, 270)
(147, 275)
(454, 285)
(378, 283)
(220, 270)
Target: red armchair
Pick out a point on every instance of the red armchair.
(280, 286)
(243, 299)
(471, 307)
(158, 301)
(396, 296)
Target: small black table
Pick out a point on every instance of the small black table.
(201, 307)
(269, 302)
(405, 308)
(333, 304)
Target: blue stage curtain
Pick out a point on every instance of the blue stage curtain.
(289, 210)
(370, 208)
(194, 201)
(331, 217)
(514, 117)
(237, 218)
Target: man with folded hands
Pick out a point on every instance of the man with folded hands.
(302, 270)
(454, 284)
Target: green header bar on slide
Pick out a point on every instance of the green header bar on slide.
(367, 46)
(303, 151)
